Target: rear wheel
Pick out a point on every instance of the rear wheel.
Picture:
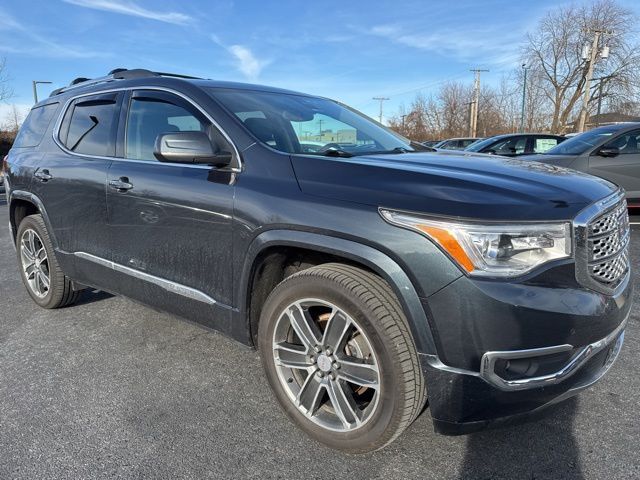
(338, 354)
(41, 274)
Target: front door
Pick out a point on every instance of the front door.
(624, 168)
(170, 225)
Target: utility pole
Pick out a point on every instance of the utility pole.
(524, 96)
(403, 117)
(592, 54)
(473, 127)
(34, 83)
(381, 100)
(320, 124)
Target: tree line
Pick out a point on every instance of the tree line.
(553, 54)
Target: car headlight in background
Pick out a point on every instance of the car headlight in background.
(491, 250)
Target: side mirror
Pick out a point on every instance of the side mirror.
(188, 147)
(608, 152)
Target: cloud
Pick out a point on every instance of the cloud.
(461, 44)
(37, 45)
(246, 61)
(125, 7)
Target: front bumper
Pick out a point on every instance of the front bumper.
(565, 339)
(462, 402)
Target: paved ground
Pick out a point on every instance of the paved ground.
(110, 388)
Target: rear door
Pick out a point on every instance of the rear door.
(170, 225)
(71, 179)
(624, 168)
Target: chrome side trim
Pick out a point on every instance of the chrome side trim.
(168, 285)
(63, 112)
(489, 360)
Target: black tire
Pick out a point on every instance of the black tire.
(370, 301)
(60, 293)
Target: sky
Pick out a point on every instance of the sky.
(348, 50)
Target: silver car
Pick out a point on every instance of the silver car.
(611, 152)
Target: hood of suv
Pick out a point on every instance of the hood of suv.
(477, 186)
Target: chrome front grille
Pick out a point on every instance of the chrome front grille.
(607, 245)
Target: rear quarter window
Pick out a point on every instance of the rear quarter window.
(35, 126)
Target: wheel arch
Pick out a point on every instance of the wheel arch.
(263, 254)
(23, 204)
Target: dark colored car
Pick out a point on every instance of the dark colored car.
(611, 152)
(370, 275)
(430, 143)
(455, 143)
(516, 144)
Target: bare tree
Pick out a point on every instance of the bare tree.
(554, 53)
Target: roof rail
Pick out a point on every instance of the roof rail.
(116, 74)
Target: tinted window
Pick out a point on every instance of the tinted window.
(510, 146)
(148, 118)
(35, 126)
(626, 144)
(479, 145)
(92, 126)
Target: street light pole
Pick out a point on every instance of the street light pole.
(35, 88)
(524, 96)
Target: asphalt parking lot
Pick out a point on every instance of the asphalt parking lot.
(111, 388)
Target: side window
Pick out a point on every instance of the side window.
(541, 144)
(150, 116)
(90, 125)
(35, 125)
(511, 146)
(627, 143)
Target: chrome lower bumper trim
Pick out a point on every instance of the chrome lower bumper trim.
(489, 359)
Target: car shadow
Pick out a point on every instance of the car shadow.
(90, 296)
(544, 447)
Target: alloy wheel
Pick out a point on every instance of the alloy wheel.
(326, 365)
(35, 263)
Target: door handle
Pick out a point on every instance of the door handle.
(121, 185)
(43, 175)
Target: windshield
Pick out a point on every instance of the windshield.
(585, 141)
(480, 144)
(315, 126)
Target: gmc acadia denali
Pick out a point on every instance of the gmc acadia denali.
(373, 274)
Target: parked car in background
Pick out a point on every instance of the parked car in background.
(431, 143)
(515, 144)
(611, 152)
(455, 143)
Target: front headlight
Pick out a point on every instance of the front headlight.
(492, 250)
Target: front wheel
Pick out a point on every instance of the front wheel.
(338, 354)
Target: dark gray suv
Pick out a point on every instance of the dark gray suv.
(373, 274)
